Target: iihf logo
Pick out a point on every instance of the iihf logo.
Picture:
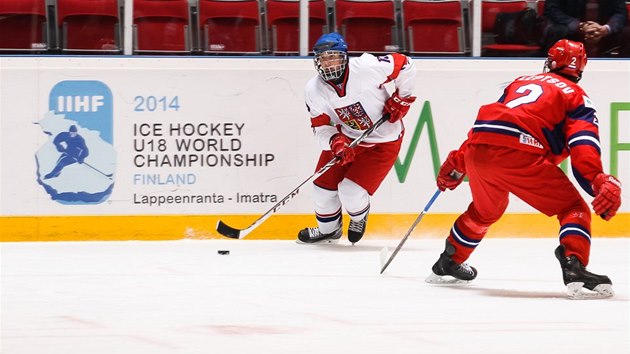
(76, 164)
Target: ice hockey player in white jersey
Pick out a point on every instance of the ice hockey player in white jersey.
(345, 98)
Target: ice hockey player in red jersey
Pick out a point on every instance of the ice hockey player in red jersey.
(345, 98)
(514, 147)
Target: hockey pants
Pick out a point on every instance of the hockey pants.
(496, 171)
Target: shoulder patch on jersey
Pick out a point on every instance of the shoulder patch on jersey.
(400, 61)
(588, 103)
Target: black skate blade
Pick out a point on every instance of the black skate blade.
(227, 231)
(577, 291)
(444, 280)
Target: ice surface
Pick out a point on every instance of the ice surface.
(281, 297)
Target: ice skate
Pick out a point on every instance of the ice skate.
(356, 229)
(52, 174)
(446, 271)
(582, 284)
(313, 235)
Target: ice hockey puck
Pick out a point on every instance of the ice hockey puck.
(223, 252)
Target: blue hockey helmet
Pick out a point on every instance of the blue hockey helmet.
(331, 56)
(330, 41)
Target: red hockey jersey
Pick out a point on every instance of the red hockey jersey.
(545, 114)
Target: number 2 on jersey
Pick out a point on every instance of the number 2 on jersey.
(535, 91)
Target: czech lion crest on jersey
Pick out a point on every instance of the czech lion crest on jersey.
(354, 116)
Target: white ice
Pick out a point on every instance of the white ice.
(281, 297)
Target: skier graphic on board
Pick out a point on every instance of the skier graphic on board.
(72, 147)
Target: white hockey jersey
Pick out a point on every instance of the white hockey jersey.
(357, 102)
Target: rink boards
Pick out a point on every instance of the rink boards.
(281, 227)
(176, 144)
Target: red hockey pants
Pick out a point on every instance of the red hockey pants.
(371, 165)
(496, 171)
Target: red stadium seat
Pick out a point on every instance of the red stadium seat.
(540, 7)
(489, 11)
(283, 24)
(92, 25)
(433, 27)
(368, 26)
(230, 26)
(23, 25)
(161, 26)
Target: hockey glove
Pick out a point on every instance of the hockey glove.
(398, 106)
(452, 171)
(340, 147)
(607, 191)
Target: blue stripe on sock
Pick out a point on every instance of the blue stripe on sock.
(324, 218)
(574, 230)
(462, 239)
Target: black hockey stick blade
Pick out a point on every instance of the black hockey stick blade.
(384, 265)
(227, 231)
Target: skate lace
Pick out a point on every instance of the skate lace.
(313, 232)
(464, 267)
(356, 226)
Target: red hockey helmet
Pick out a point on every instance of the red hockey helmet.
(568, 58)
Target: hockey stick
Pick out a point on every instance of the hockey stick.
(108, 175)
(232, 232)
(402, 242)
(94, 168)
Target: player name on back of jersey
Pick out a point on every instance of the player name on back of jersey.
(549, 79)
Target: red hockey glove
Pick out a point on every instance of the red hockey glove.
(340, 147)
(452, 171)
(398, 106)
(607, 191)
